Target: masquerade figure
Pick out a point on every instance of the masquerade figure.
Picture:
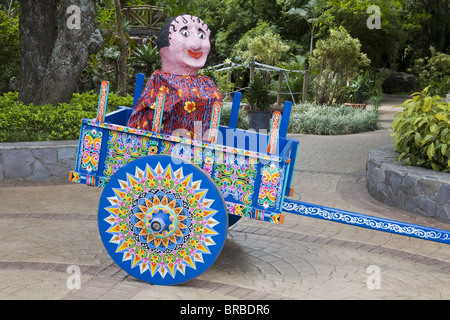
(183, 44)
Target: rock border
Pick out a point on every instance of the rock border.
(414, 189)
(37, 161)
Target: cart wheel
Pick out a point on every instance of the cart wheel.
(162, 220)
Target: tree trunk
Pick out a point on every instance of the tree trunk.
(123, 48)
(54, 48)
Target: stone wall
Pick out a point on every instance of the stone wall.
(37, 161)
(414, 189)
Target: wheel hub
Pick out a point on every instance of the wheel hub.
(161, 221)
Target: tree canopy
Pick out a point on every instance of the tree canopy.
(409, 30)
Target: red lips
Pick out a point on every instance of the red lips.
(195, 54)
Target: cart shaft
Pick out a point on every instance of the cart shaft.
(366, 221)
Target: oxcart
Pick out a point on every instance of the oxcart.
(167, 201)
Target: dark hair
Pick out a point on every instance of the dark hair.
(163, 37)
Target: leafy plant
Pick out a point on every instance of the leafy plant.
(176, 7)
(433, 71)
(148, 56)
(336, 58)
(257, 94)
(422, 132)
(242, 121)
(266, 48)
(294, 80)
(359, 89)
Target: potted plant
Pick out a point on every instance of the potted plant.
(258, 97)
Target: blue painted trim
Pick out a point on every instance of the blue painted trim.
(285, 119)
(366, 221)
(138, 88)
(235, 110)
(293, 157)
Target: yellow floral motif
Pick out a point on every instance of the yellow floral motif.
(127, 199)
(140, 252)
(189, 106)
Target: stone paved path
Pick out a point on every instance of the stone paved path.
(48, 228)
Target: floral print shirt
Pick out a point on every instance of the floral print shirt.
(188, 104)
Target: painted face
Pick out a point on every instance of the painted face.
(189, 46)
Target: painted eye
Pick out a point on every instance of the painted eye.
(185, 33)
(202, 35)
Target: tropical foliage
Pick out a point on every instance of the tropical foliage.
(422, 132)
(434, 72)
(335, 55)
(336, 59)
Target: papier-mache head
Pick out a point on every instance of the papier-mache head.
(183, 44)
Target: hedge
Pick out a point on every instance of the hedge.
(20, 122)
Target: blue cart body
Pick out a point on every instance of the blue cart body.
(253, 182)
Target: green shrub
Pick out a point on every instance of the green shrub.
(434, 72)
(20, 122)
(422, 132)
(258, 95)
(336, 59)
(327, 120)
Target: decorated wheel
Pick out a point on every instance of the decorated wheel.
(162, 220)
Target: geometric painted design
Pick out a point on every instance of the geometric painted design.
(124, 148)
(90, 152)
(239, 210)
(272, 183)
(270, 179)
(235, 176)
(162, 221)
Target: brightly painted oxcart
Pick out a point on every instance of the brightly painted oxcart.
(167, 201)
